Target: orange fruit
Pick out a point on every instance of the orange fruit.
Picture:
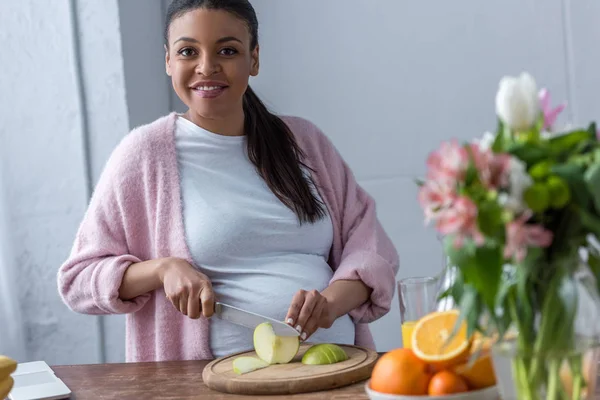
(431, 340)
(446, 382)
(479, 374)
(400, 372)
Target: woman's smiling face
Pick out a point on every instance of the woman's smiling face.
(210, 60)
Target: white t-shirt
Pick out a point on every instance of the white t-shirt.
(245, 239)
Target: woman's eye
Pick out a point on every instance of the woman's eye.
(186, 52)
(228, 51)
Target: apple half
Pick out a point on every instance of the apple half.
(274, 349)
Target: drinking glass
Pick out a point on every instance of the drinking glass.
(417, 297)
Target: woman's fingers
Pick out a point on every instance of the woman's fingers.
(313, 322)
(310, 301)
(193, 306)
(294, 309)
(183, 303)
(207, 299)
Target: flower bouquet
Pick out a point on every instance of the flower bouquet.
(518, 208)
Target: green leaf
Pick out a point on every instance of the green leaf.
(502, 317)
(525, 300)
(574, 176)
(462, 255)
(593, 131)
(589, 221)
(592, 181)
(558, 312)
(489, 218)
(567, 141)
(593, 263)
(529, 153)
(506, 285)
(480, 266)
(469, 311)
(500, 140)
(456, 290)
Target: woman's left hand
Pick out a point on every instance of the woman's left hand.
(308, 312)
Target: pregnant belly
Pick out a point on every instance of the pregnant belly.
(268, 289)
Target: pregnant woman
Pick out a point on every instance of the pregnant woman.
(227, 202)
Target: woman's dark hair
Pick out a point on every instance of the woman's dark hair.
(271, 146)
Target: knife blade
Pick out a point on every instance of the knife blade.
(251, 320)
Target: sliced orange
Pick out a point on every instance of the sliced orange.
(481, 343)
(478, 374)
(431, 340)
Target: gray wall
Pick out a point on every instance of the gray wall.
(144, 60)
(62, 111)
(386, 82)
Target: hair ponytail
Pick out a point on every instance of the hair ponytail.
(278, 159)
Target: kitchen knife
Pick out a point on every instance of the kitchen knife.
(251, 320)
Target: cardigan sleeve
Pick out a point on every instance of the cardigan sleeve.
(368, 253)
(90, 278)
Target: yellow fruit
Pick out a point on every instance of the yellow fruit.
(7, 366)
(431, 340)
(6, 386)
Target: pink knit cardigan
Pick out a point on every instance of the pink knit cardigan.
(135, 214)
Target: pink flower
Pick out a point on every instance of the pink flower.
(550, 114)
(460, 219)
(448, 163)
(435, 196)
(493, 168)
(520, 235)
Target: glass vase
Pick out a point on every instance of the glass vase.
(555, 374)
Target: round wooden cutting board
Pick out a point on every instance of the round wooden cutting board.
(290, 378)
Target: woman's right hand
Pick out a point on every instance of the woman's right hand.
(188, 289)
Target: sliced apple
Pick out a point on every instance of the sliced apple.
(243, 365)
(324, 353)
(274, 349)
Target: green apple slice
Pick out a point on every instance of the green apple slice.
(324, 353)
(243, 365)
(274, 349)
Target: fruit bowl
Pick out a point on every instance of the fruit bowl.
(489, 393)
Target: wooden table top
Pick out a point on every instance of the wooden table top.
(174, 380)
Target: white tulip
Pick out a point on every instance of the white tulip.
(517, 102)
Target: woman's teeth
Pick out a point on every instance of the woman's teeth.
(208, 88)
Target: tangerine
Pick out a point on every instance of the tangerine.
(446, 382)
(399, 371)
